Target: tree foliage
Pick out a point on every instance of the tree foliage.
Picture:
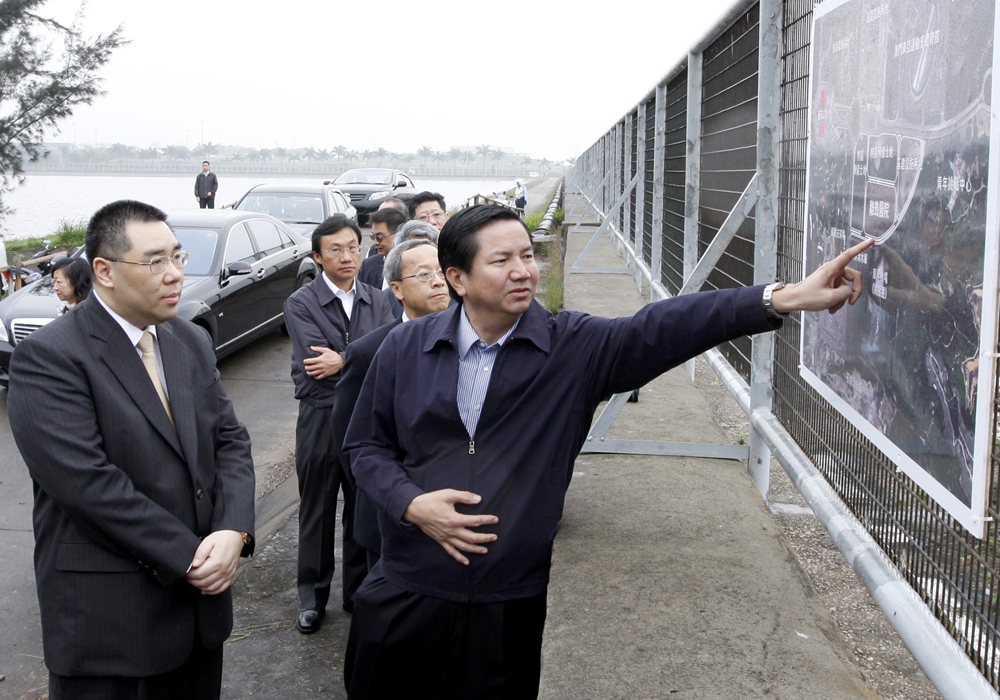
(39, 87)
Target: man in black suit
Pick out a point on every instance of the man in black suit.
(206, 184)
(323, 318)
(384, 224)
(415, 278)
(143, 479)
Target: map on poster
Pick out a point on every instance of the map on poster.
(900, 146)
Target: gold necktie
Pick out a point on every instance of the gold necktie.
(145, 344)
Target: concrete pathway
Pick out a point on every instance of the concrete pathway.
(540, 193)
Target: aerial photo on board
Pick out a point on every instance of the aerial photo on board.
(899, 148)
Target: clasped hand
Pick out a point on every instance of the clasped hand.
(215, 561)
(435, 514)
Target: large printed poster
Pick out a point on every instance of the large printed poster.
(901, 144)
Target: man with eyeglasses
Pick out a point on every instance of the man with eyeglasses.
(415, 278)
(384, 223)
(465, 434)
(142, 474)
(429, 207)
(322, 319)
(390, 203)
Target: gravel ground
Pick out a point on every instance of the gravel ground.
(277, 474)
(883, 659)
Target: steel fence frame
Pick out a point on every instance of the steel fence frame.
(718, 199)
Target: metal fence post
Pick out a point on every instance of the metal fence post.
(659, 144)
(692, 177)
(608, 165)
(628, 225)
(617, 218)
(639, 220)
(766, 223)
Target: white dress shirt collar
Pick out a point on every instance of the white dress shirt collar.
(134, 333)
(346, 298)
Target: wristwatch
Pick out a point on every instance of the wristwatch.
(769, 291)
(246, 538)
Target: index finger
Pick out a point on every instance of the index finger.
(849, 254)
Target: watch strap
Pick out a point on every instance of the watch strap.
(769, 291)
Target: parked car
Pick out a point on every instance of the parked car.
(243, 266)
(367, 188)
(300, 205)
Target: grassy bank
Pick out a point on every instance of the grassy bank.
(552, 283)
(69, 234)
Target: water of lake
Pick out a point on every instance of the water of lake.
(46, 200)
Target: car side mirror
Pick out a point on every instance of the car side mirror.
(327, 182)
(399, 184)
(238, 268)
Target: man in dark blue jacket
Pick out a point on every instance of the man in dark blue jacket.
(322, 318)
(465, 434)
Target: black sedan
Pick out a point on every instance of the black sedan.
(301, 205)
(369, 187)
(243, 266)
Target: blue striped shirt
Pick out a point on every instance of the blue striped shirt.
(475, 366)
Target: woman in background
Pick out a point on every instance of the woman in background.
(71, 280)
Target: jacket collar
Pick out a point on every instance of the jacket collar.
(324, 294)
(533, 326)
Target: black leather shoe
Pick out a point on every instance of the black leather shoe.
(309, 621)
(348, 606)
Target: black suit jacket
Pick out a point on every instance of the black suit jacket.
(352, 375)
(203, 184)
(122, 498)
(394, 304)
(370, 271)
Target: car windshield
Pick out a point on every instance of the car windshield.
(365, 177)
(201, 243)
(292, 208)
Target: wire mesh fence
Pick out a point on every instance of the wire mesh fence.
(951, 570)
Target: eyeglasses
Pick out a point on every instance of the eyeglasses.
(159, 263)
(426, 275)
(379, 237)
(426, 216)
(353, 250)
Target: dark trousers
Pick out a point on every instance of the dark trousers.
(403, 644)
(207, 202)
(320, 479)
(200, 678)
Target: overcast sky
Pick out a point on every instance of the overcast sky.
(542, 77)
